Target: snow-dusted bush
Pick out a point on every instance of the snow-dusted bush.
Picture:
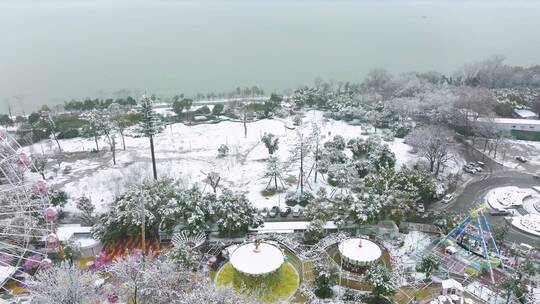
(270, 142)
(181, 255)
(234, 213)
(381, 280)
(314, 231)
(58, 197)
(303, 199)
(223, 150)
(326, 277)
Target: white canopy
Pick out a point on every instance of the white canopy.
(246, 259)
(451, 283)
(359, 251)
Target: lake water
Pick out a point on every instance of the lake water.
(56, 50)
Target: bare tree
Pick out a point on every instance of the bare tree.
(472, 103)
(40, 162)
(213, 179)
(433, 144)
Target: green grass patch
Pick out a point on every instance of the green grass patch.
(280, 287)
(69, 122)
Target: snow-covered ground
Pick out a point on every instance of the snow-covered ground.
(530, 150)
(188, 153)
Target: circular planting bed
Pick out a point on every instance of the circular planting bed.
(278, 285)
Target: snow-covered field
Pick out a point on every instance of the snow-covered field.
(188, 153)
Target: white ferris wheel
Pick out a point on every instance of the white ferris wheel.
(26, 216)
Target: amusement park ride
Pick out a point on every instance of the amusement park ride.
(27, 219)
(472, 245)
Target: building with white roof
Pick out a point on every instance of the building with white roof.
(510, 124)
(451, 287)
(81, 236)
(524, 114)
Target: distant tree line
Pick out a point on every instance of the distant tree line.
(92, 104)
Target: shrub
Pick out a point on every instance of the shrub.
(223, 150)
(305, 198)
(203, 110)
(58, 198)
(217, 109)
(291, 199)
(68, 133)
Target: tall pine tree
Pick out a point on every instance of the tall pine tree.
(149, 126)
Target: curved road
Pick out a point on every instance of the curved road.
(472, 192)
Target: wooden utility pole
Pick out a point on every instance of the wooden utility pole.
(143, 225)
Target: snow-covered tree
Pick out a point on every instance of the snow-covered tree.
(160, 281)
(381, 279)
(434, 144)
(270, 142)
(39, 164)
(314, 231)
(130, 271)
(182, 255)
(167, 204)
(51, 125)
(428, 265)
(341, 176)
(315, 138)
(213, 179)
(300, 150)
(108, 129)
(62, 284)
(234, 213)
(326, 277)
(377, 80)
(149, 126)
(93, 128)
(84, 204)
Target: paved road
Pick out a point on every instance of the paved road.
(471, 193)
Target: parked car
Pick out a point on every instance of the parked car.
(537, 174)
(499, 212)
(264, 212)
(521, 159)
(284, 212)
(420, 208)
(469, 169)
(447, 198)
(296, 212)
(274, 211)
(478, 169)
(481, 164)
